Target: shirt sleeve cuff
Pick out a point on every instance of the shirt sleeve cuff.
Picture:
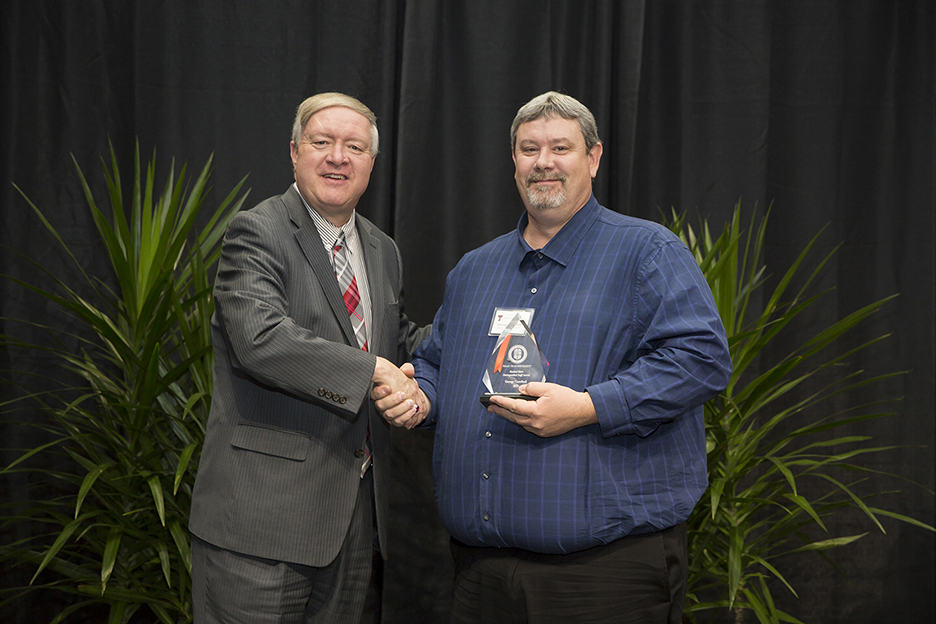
(427, 385)
(614, 414)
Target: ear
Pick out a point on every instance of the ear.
(293, 153)
(594, 157)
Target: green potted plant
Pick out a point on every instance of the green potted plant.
(127, 413)
(768, 433)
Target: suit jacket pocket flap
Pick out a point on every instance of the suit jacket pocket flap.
(271, 442)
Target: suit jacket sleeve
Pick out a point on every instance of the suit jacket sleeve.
(275, 316)
(410, 335)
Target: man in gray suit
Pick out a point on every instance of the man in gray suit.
(309, 316)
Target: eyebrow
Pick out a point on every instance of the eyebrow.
(312, 134)
(551, 141)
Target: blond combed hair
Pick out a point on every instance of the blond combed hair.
(320, 101)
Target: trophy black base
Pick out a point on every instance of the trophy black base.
(486, 397)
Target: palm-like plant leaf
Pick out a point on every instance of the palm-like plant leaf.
(129, 406)
(755, 511)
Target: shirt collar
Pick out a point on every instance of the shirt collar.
(328, 231)
(562, 246)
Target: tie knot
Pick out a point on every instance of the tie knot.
(339, 242)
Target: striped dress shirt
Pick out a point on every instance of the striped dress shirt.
(329, 233)
(621, 311)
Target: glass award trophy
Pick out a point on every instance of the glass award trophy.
(516, 360)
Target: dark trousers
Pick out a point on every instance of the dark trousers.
(636, 579)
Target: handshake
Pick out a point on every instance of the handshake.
(397, 395)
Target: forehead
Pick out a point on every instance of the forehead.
(339, 121)
(550, 129)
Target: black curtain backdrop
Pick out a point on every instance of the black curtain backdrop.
(823, 110)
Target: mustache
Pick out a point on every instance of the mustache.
(539, 176)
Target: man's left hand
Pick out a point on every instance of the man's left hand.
(556, 410)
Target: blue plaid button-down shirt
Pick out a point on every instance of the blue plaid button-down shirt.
(622, 311)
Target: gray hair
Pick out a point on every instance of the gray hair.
(553, 104)
(314, 104)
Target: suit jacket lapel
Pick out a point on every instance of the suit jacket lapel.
(375, 282)
(311, 244)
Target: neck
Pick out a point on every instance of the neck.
(542, 225)
(337, 217)
(537, 236)
(337, 221)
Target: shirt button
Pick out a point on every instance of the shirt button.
(486, 475)
(533, 290)
(487, 434)
(359, 453)
(486, 517)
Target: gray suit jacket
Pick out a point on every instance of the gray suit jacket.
(280, 469)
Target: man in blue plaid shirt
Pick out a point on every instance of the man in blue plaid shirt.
(570, 507)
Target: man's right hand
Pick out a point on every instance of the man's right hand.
(397, 395)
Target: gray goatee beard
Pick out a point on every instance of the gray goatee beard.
(545, 199)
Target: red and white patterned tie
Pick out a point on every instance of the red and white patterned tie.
(347, 282)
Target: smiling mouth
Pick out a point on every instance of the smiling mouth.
(546, 182)
(537, 177)
(335, 176)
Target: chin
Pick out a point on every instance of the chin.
(548, 202)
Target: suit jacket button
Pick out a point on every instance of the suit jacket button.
(359, 453)
(337, 399)
(328, 395)
(343, 400)
(321, 391)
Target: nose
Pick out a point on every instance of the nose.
(544, 159)
(337, 155)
